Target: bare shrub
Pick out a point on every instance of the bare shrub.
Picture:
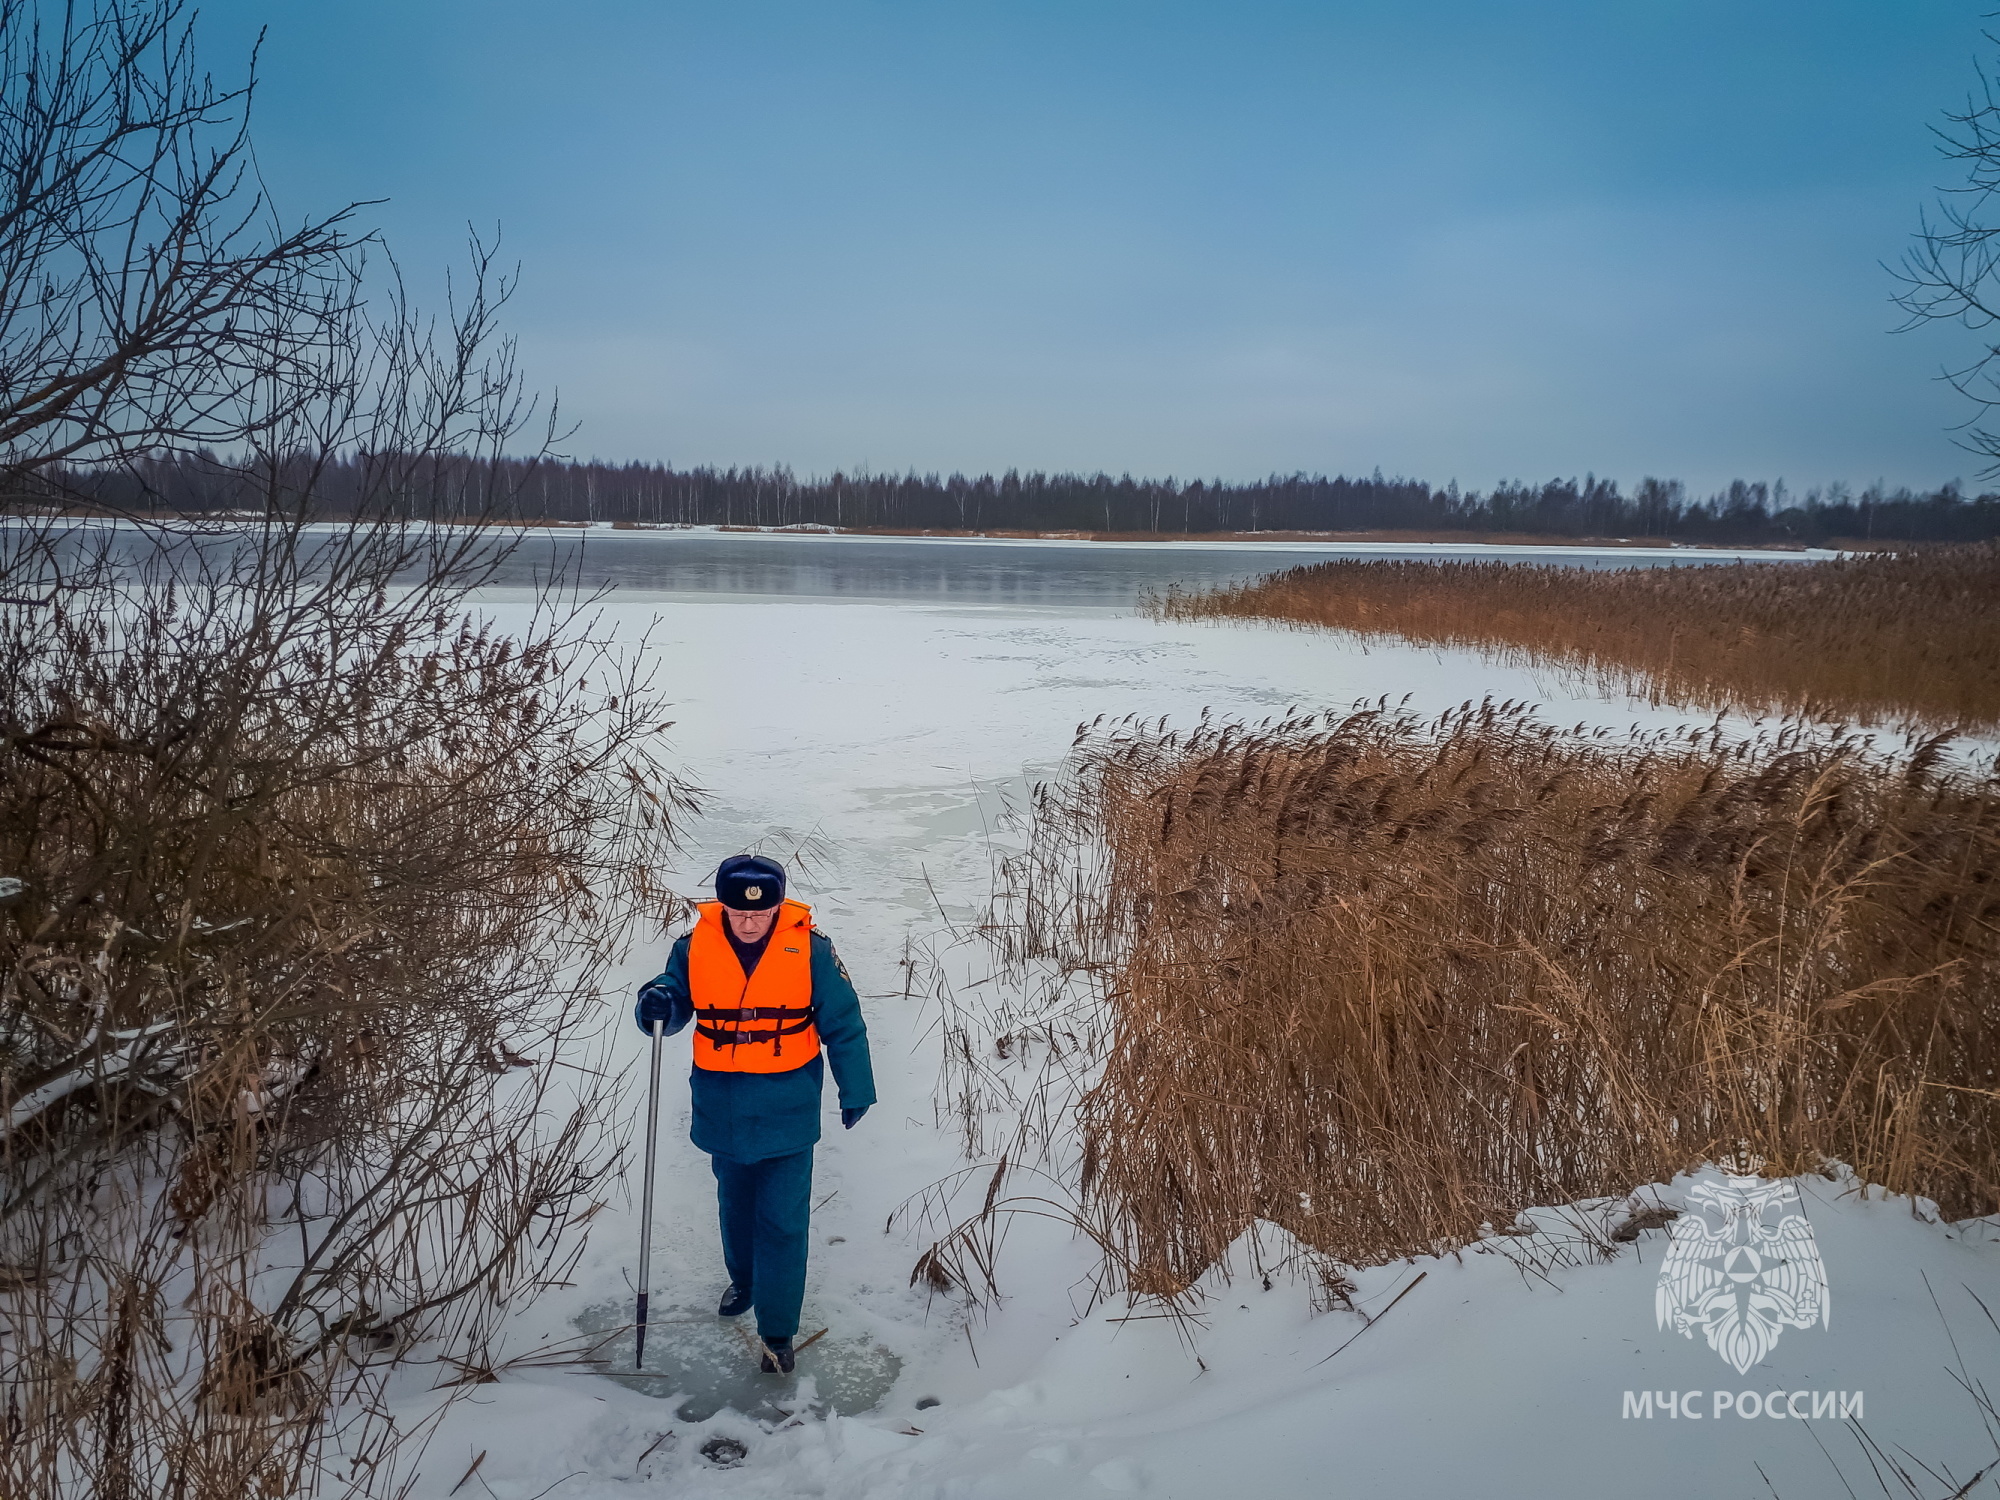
(149, 299)
(1386, 983)
(308, 874)
(1905, 636)
(319, 878)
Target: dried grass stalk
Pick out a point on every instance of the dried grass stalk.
(1912, 636)
(1386, 983)
(316, 879)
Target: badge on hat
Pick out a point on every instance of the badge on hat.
(753, 893)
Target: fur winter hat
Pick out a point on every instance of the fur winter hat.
(750, 882)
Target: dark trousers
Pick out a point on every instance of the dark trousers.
(765, 1205)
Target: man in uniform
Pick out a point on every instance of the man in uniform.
(765, 991)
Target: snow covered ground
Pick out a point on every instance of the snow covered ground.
(881, 737)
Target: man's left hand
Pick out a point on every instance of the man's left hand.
(849, 1118)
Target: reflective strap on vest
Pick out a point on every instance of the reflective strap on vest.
(733, 1038)
(757, 1013)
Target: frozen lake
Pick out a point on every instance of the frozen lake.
(866, 710)
(874, 718)
(987, 571)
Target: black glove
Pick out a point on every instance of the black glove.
(849, 1118)
(658, 1004)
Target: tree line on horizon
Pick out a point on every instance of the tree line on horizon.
(655, 494)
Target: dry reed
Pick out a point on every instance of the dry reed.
(1386, 983)
(1911, 636)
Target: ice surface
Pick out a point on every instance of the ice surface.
(992, 570)
(704, 1363)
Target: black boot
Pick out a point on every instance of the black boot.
(780, 1360)
(735, 1301)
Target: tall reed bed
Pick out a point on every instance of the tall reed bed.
(1386, 982)
(1910, 636)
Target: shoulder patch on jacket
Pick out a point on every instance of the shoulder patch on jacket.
(834, 954)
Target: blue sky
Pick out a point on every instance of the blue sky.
(1473, 240)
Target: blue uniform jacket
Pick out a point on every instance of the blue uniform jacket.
(751, 1116)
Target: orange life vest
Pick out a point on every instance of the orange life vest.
(762, 1023)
